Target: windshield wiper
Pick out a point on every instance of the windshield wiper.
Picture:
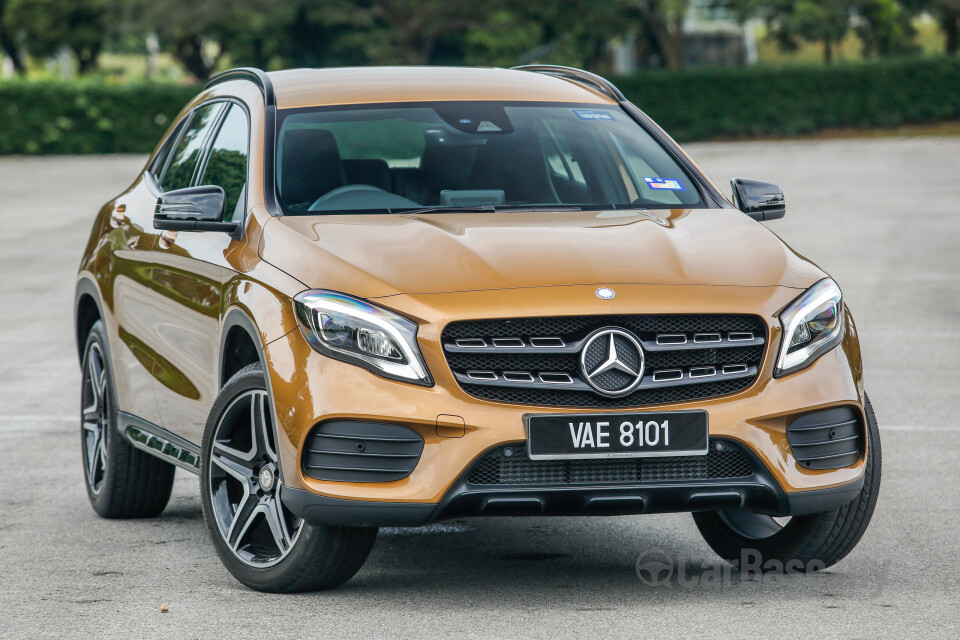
(539, 207)
(446, 209)
(489, 208)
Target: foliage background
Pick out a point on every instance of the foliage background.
(53, 117)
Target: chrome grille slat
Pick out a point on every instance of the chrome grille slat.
(482, 375)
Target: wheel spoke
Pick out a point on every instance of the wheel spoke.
(277, 524)
(240, 457)
(228, 460)
(261, 426)
(242, 519)
(94, 451)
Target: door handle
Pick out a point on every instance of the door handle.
(119, 219)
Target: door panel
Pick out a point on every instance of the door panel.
(188, 274)
(133, 301)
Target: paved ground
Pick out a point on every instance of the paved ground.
(883, 216)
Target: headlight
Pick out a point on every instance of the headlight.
(812, 325)
(355, 331)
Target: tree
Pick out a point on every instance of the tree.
(8, 44)
(45, 26)
(417, 26)
(664, 22)
(947, 13)
(825, 21)
(199, 33)
(885, 28)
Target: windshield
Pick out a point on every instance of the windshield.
(472, 155)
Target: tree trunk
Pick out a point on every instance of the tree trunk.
(827, 51)
(950, 23)
(87, 59)
(12, 51)
(669, 38)
(189, 52)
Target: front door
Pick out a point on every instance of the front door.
(189, 271)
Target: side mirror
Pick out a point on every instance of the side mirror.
(759, 200)
(192, 209)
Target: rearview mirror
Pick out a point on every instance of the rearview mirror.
(759, 200)
(192, 209)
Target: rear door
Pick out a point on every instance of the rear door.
(189, 272)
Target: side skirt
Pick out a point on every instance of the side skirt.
(159, 442)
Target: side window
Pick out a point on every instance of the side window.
(160, 161)
(227, 164)
(179, 173)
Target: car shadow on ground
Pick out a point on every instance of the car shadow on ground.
(585, 564)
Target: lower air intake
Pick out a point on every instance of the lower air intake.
(361, 451)
(498, 468)
(826, 439)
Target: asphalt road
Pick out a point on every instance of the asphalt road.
(882, 216)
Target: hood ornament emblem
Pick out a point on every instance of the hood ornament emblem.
(606, 293)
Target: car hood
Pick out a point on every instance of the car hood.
(382, 255)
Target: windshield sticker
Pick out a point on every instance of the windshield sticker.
(486, 125)
(589, 114)
(665, 184)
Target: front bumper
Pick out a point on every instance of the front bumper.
(309, 388)
(758, 493)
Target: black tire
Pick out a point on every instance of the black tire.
(121, 481)
(805, 543)
(303, 557)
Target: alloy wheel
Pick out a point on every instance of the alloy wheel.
(245, 484)
(95, 418)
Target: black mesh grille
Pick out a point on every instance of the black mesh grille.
(495, 468)
(572, 329)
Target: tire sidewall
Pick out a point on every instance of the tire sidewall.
(100, 501)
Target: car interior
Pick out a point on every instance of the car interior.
(529, 161)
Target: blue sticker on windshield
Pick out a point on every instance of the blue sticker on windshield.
(590, 114)
(665, 184)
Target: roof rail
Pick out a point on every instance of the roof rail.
(599, 83)
(256, 76)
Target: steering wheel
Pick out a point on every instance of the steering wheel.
(359, 197)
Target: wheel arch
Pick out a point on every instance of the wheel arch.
(88, 308)
(240, 345)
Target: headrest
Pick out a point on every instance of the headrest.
(310, 165)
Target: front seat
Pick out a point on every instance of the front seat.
(515, 163)
(310, 167)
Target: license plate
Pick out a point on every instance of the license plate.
(617, 435)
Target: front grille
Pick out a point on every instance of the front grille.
(536, 361)
(496, 468)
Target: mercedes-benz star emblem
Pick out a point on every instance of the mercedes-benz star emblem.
(606, 293)
(612, 362)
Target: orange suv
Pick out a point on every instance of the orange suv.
(353, 298)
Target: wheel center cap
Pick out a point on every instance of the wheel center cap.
(266, 479)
